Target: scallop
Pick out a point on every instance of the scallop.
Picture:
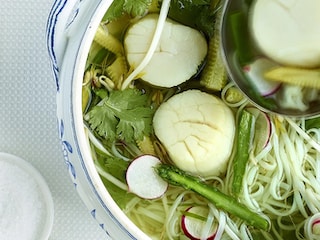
(197, 129)
(178, 55)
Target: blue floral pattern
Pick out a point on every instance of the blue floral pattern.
(74, 13)
(56, 10)
(64, 16)
(102, 225)
(67, 149)
(55, 42)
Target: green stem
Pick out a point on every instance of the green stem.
(222, 201)
(244, 140)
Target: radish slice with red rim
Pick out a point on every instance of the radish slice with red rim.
(142, 178)
(263, 128)
(193, 224)
(255, 73)
(316, 227)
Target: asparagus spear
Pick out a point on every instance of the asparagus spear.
(244, 141)
(222, 201)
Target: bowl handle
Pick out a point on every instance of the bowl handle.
(65, 16)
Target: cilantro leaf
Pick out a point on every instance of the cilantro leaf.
(123, 115)
(131, 7)
(135, 122)
(137, 7)
(196, 14)
(103, 121)
(117, 168)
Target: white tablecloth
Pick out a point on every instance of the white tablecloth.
(28, 125)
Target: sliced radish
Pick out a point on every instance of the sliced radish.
(194, 222)
(255, 72)
(316, 227)
(142, 179)
(263, 128)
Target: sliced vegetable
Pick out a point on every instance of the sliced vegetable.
(197, 129)
(214, 75)
(175, 58)
(296, 76)
(222, 201)
(193, 224)
(244, 142)
(233, 95)
(106, 40)
(312, 226)
(255, 74)
(316, 227)
(146, 145)
(262, 128)
(142, 179)
(118, 70)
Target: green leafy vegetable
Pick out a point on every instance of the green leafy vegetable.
(123, 115)
(312, 123)
(227, 203)
(117, 168)
(244, 140)
(131, 7)
(120, 196)
(196, 14)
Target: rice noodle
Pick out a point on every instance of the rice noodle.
(207, 227)
(281, 181)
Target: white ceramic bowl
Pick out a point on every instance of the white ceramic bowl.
(27, 209)
(70, 30)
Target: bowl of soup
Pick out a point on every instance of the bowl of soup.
(160, 142)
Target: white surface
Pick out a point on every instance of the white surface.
(28, 125)
(26, 204)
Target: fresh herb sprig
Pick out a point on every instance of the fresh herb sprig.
(199, 14)
(122, 115)
(132, 8)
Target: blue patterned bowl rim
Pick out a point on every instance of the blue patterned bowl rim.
(76, 22)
